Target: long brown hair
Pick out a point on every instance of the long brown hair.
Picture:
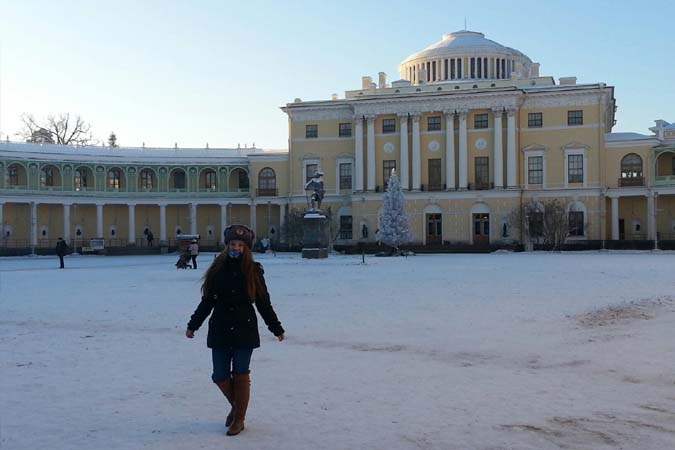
(252, 277)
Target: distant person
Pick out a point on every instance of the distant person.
(61, 250)
(151, 238)
(232, 286)
(194, 251)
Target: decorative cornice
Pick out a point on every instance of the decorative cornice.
(534, 147)
(574, 145)
(326, 112)
(567, 98)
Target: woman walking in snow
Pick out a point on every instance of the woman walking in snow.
(231, 286)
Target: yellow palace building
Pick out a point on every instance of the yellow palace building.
(471, 127)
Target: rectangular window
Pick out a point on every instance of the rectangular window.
(534, 120)
(485, 68)
(576, 223)
(389, 125)
(536, 224)
(434, 123)
(575, 169)
(480, 67)
(310, 170)
(311, 131)
(459, 68)
(452, 69)
(345, 175)
(345, 227)
(435, 175)
(482, 172)
(575, 117)
(535, 170)
(387, 166)
(345, 130)
(480, 121)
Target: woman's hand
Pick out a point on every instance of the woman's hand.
(189, 333)
(280, 337)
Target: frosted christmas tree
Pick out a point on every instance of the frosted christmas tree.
(394, 230)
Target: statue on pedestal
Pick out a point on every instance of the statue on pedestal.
(315, 184)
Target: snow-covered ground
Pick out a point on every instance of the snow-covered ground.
(502, 351)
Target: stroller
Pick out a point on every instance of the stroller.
(184, 260)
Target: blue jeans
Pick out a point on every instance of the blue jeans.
(227, 361)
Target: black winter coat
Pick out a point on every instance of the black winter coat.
(233, 323)
(61, 248)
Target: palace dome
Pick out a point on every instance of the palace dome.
(465, 55)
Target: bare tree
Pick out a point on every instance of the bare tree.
(58, 129)
(542, 222)
(292, 229)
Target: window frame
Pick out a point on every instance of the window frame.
(343, 128)
(147, 176)
(211, 185)
(575, 118)
(114, 179)
(267, 179)
(535, 120)
(388, 126)
(539, 170)
(481, 121)
(13, 175)
(346, 227)
(629, 169)
(386, 172)
(345, 181)
(311, 131)
(575, 174)
(434, 123)
(574, 230)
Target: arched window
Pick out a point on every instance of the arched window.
(82, 178)
(13, 175)
(209, 180)
(631, 166)
(48, 176)
(267, 182)
(631, 171)
(177, 180)
(147, 180)
(114, 179)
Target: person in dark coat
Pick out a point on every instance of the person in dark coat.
(61, 250)
(231, 287)
(150, 237)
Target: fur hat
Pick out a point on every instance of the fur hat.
(240, 233)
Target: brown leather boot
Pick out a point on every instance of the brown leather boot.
(227, 388)
(242, 392)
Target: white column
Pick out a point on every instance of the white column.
(66, 222)
(404, 169)
(370, 157)
(193, 218)
(615, 218)
(252, 213)
(99, 220)
(33, 224)
(651, 216)
(449, 150)
(463, 151)
(442, 73)
(358, 152)
(416, 159)
(511, 149)
(282, 221)
(162, 223)
(223, 223)
(132, 225)
(498, 150)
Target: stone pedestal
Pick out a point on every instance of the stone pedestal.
(314, 236)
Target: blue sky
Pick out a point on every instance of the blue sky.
(193, 72)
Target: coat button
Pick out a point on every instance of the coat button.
(231, 328)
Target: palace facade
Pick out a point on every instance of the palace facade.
(471, 127)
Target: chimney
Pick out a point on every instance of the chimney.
(366, 82)
(382, 80)
(334, 97)
(568, 81)
(534, 70)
